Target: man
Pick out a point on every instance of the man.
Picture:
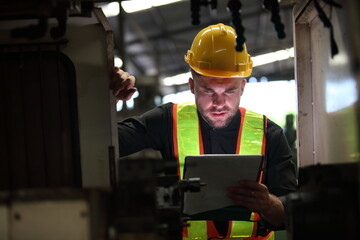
(216, 125)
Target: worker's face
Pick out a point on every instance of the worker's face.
(217, 99)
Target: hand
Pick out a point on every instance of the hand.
(122, 84)
(257, 198)
(250, 194)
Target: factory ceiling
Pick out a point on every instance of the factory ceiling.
(152, 43)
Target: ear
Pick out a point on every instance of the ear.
(243, 83)
(191, 85)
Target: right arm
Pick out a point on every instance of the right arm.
(153, 129)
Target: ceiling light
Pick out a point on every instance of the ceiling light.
(177, 79)
(273, 57)
(140, 5)
(111, 9)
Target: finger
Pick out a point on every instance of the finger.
(119, 86)
(114, 71)
(116, 74)
(131, 82)
(248, 183)
(127, 81)
(127, 84)
(123, 82)
(130, 93)
(125, 94)
(245, 201)
(249, 193)
(254, 201)
(238, 193)
(241, 198)
(253, 185)
(115, 78)
(241, 190)
(124, 75)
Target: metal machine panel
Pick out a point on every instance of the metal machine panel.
(65, 219)
(88, 44)
(44, 214)
(4, 225)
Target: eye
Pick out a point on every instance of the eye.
(230, 91)
(208, 91)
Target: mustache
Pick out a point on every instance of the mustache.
(220, 109)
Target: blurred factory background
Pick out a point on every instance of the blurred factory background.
(152, 42)
(59, 160)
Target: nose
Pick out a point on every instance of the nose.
(218, 100)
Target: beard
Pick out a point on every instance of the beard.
(218, 118)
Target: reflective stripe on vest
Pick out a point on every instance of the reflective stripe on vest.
(188, 141)
(187, 131)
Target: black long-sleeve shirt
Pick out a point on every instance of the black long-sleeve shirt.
(153, 129)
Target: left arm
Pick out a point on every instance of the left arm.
(257, 198)
(279, 180)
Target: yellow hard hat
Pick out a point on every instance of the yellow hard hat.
(213, 53)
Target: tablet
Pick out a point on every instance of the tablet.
(217, 171)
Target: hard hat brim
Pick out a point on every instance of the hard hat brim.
(223, 74)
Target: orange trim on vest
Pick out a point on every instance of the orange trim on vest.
(242, 116)
(175, 143)
(264, 137)
(263, 149)
(211, 229)
(229, 229)
(201, 145)
(185, 232)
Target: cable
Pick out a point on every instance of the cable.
(273, 6)
(234, 6)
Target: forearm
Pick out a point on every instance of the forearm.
(275, 212)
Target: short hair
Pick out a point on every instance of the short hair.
(194, 74)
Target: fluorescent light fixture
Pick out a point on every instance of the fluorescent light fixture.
(264, 79)
(179, 97)
(157, 3)
(111, 9)
(273, 57)
(177, 79)
(140, 5)
(252, 80)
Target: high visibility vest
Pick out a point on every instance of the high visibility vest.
(187, 140)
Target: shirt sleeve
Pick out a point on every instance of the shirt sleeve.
(280, 170)
(149, 130)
